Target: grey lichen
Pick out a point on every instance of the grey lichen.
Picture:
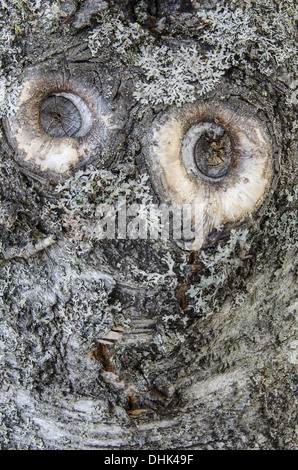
(16, 18)
(204, 291)
(81, 195)
(177, 73)
(112, 32)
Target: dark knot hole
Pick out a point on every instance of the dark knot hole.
(60, 117)
(213, 152)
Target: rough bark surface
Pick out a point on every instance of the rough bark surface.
(138, 344)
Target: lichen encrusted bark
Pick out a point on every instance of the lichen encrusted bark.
(138, 344)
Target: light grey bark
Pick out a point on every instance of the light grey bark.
(101, 347)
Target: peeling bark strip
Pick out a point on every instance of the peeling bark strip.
(137, 344)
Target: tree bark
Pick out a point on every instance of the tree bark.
(141, 344)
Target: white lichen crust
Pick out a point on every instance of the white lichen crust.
(211, 202)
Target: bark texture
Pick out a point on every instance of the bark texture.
(139, 344)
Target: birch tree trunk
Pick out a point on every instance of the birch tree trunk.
(127, 343)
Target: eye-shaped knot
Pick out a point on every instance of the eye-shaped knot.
(209, 147)
(60, 123)
(65, 115)
(213, 157)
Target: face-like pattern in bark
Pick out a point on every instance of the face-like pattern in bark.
(86, 145)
